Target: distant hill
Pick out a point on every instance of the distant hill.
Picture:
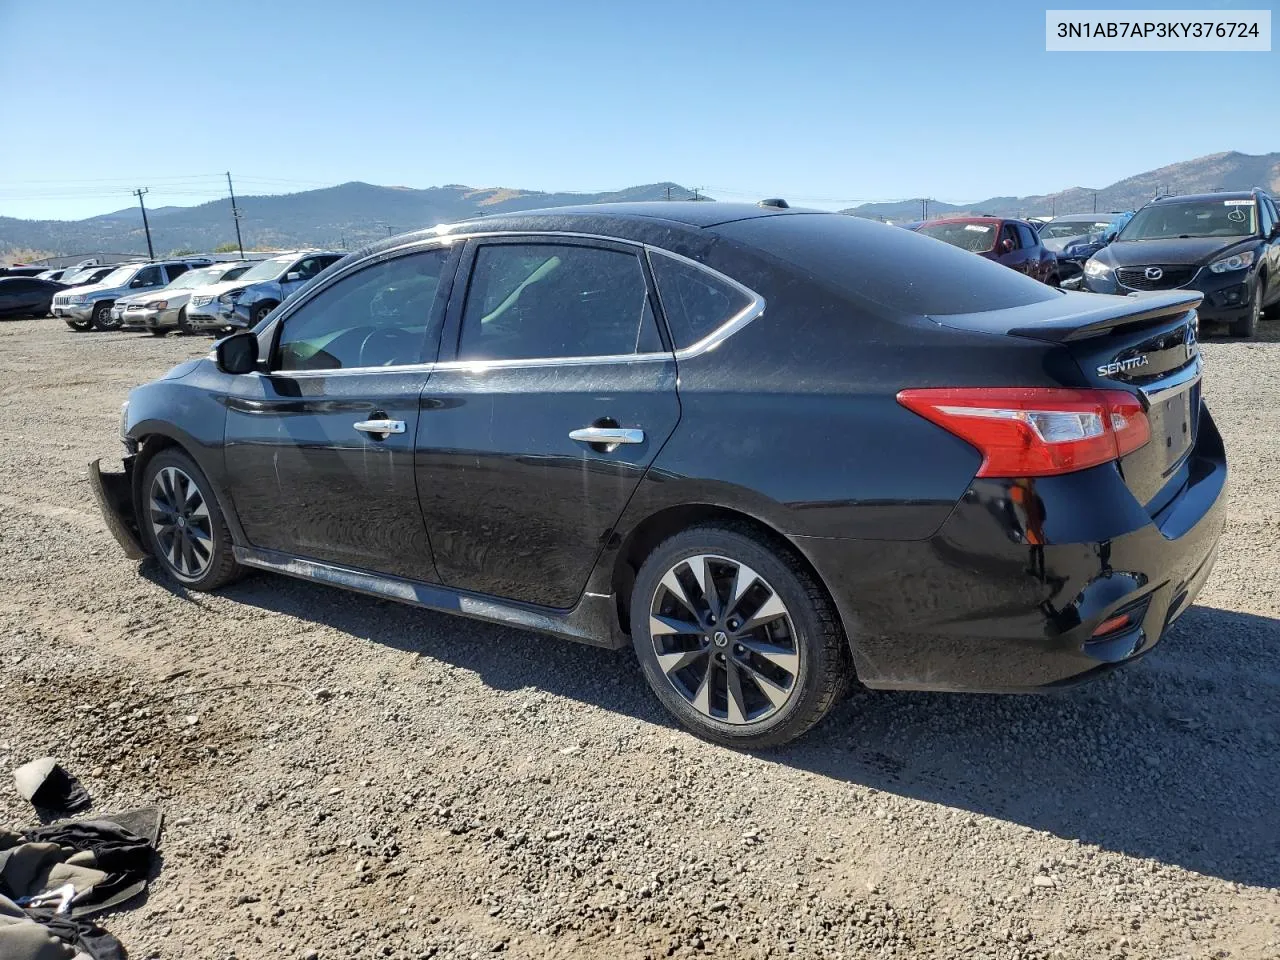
(1217, 171)
(355, 212)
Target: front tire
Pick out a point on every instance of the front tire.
(102, 316)
(80, 326)
(159, 331)
(182, 322)
(260, 313)
(182, 525)
(1249, 325)
(736, 638)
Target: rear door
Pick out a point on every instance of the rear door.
(560, 394)
(319, 448)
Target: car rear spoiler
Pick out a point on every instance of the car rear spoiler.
(1078, 316)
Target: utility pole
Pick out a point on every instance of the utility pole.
(1053, 206)
(668, 192)
(388, 226)
(1095, 201)
(235, 214)
(924, 209)
(151, 254)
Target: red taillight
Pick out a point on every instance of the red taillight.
(1036, 431)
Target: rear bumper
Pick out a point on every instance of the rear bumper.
(114, 493)
(998, 601)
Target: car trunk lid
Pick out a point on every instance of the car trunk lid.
(1145, 345)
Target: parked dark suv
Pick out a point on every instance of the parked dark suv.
(1224, 245)
(767, 448)
(1014, 243)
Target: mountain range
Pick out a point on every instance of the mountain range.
(353, 213)
(1217, 171)
(349, 214)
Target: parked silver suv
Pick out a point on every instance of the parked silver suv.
(90, 306)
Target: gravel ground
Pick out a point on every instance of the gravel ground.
(346, 777)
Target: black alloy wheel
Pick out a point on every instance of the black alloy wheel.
(182, 523)
(737, 640)
(102, 316)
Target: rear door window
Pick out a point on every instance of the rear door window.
(695, 302)
(177, 269)
(547, 300)
(1008, 233)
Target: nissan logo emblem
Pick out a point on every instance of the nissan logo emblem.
(1153, 273)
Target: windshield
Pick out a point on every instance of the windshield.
(1062, 229)
(1194, 218)
(119, 277)
(195, 278)
(266, 270)
(974, 237)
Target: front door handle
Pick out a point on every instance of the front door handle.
(607, 435)
(382, 427)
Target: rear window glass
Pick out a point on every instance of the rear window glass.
(694, 301)
(898, 270)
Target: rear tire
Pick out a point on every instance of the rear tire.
(725, 679)
(1249, 325)
(182, 525)
(102, 316)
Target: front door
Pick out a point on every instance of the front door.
(319, 450)
(534, 438)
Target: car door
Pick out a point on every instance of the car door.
(534, 437)
(1271, 248)
(18, 295)
(319, 445)
(1033, 253)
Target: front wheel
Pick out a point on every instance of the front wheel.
(182, 525)
(182, 322)
(102, 316)
(1249, 325)
(80, 326)
(159, 331)
(260, 313)
(736, 638)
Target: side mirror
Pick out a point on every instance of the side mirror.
(1110, 235)
(1006, 245)
(292, 276)
(1275, 230)
(136, 282)
(237, 353)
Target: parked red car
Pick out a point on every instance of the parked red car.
(1014, 243)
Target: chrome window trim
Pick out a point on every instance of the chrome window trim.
(754, 308)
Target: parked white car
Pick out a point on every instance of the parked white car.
(160, 311)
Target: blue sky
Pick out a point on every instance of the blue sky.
(826, 103)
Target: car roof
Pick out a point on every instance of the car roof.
(969, 220)
(1221, 195)
(1082, 217)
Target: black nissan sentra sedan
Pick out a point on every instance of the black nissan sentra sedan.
(772, 449)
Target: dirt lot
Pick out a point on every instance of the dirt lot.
(460, 789)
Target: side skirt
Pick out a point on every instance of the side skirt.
(593, 621)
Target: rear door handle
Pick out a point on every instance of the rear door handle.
(607, 435)
(384, 427)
